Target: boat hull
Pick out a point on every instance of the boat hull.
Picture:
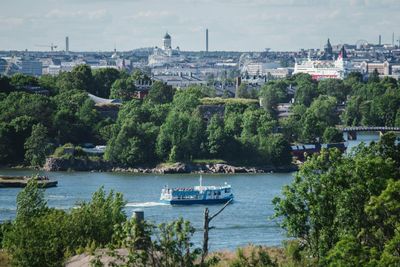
(197, 201)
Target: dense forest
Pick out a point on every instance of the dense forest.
(169, 125)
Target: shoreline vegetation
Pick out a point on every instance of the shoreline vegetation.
(199, 166)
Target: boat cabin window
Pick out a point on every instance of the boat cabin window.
(227, 190)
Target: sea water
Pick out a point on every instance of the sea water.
(246, 221)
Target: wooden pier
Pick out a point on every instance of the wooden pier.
(22, 181)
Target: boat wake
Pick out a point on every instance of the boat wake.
(145, 204)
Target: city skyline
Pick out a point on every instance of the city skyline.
(238, 25)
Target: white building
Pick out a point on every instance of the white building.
(165, 55)
(258, 68)
(323, 69)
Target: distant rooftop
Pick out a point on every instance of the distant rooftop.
(103, 101)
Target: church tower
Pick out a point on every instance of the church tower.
(167, 41)
(328, 50)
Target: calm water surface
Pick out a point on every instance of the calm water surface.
(245, 221)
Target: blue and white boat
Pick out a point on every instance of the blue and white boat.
(197, 194)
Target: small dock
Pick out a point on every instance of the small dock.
(22, 181)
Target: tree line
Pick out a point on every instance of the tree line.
(166, 126)
(169, 125)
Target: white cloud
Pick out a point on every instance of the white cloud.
(65, 14)
(11, 21)
(151, 14)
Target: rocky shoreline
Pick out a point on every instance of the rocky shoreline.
(60, 164)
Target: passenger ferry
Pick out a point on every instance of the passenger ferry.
(197, 194)
(323, 69)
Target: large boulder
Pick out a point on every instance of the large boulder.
(177, 167)
(62, 164)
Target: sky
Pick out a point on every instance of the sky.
(234, 25)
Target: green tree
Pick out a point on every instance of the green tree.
(216, 136)
(17, 104)
(320, 115)
(133, 144)
(104, 79)
(160, 93)
(352, 115)
(242, 91)
(332, 135)
(30, 202)
(181, 130)
(278, 150)
(133, 138)
(167, 245)
(348, 252)
(141, 76)
(20, 130)
(39, 242)
(123, 89)
(20, 80)
(41, 236)
(373, 77)
(75, 119)
(6, 152)
(273, 93)
(334, 87)
(5, 84)
(36, 146)
(82, 78)
(94, 221)
(326, 200)
(306, 90)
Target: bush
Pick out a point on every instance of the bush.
(69, 151)
(169, 244)
(255, 257)
(4, 227)
(41, 236)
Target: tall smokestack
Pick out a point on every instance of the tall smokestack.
(206, 40)
(67, 44)
(380, 39)
(393, 39)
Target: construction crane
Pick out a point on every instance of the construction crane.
(52, 46)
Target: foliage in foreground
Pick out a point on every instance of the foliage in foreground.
(43, 236)
(345, 209)
(168, 244)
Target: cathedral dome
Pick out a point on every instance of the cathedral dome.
(167, 36)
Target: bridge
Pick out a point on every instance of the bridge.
(367, 133)
(370, 129)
